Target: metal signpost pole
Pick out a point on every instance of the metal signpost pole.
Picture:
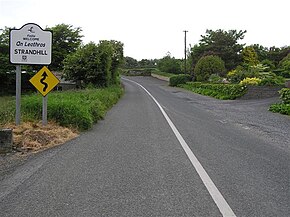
(18, 94)
(44, 110)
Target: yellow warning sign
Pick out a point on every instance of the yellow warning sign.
(44, 81)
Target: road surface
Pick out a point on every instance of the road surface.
(162, 151)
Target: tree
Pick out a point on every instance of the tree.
(130, 62)
(208, 65)
(169, 64)
(5, 67)
(284, 65)
(221, 43)
(250, 56)
(96, 64)
(276, 54)
(66, 39)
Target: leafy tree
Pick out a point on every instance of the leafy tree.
(250, 56)
(117, 58)
(284, 65)
(261, 51)
(66, 39)
(130, 62)
(78, 66)
(95, 64)
(147, 63)
(276, 54)
(5, 66)
(221, 43)
(169, 64)
(208, 65)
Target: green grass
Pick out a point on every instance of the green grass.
(7, 109)
(77, 109)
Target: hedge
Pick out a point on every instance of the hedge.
(219, 91)
(179, 79)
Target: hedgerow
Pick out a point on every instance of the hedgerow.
(219, 91)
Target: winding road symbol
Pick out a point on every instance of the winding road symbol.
(44, 76)
(44, 81)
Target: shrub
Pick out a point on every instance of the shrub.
(280, 108)
(214, 78)
(285, 95)
(284, 107)
(250, 81)
(179, 79)
(169, 64)
(207, 66)
(219, 91)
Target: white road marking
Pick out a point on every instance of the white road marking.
(219, 200)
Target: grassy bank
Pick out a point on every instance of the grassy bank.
(77, 109)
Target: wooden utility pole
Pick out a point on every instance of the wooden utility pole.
(185, 31)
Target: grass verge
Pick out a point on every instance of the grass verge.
(68, 113)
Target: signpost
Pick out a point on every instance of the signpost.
(29, 45)
(44, 81)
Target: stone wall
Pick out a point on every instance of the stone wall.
(6, 140)
(261, 92)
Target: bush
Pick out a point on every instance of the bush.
(250, 81)
(284, 107)
(285, 95)
(179, 79)
(219, 91)
(207, 66)
(169, 64)
(214, 78)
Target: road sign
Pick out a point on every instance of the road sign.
(30, 45)
(44, 81)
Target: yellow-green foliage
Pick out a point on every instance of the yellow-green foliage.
(251, 81)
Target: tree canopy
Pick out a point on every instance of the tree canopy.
(66, 39)
(220, 43)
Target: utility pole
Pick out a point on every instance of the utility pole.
(185, 31)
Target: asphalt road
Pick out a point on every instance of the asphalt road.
(133, 164)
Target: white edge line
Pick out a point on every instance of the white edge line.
(219, 200)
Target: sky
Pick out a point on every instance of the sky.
(150, 29)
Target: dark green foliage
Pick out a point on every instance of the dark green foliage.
(223, 44)
(207, 66)
(179, 79)
(130, 63)
(78, 109)
(169, 64)
(137, 72)
(219, 91)
(95, 64)
(271, 79)
(66, 39)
